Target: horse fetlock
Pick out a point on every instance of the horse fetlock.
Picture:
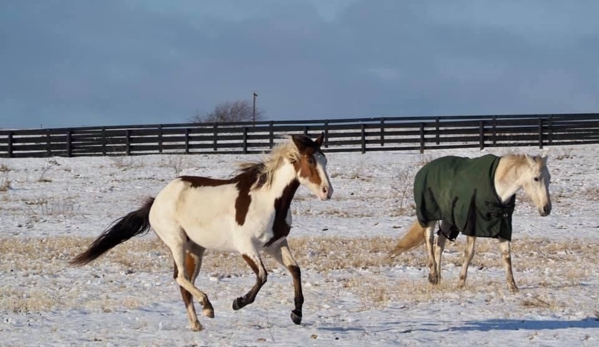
(208, 312)
(196, 326)
(433, 277)
(296, 317)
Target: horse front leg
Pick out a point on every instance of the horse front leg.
(440, 246)
(253, 259)
(506, 256)
(283, 256)
(433, 276)
(468, 254)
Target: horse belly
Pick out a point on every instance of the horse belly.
(216, 235)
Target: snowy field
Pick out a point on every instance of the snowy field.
(52, 208)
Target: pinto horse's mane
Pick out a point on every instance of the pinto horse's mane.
(262, 172)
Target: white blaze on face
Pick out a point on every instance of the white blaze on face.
(312, 173)
(326, 188)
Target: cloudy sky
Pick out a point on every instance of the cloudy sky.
(90, 62)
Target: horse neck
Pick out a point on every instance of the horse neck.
(284, 177)
(506, 180)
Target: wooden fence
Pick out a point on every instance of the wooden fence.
(341, 135)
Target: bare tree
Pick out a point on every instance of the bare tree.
(230, 111)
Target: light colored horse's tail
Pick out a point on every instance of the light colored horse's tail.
(134, 223)
(413, 238)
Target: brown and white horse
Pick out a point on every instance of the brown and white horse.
(514, 172)
(247, 213)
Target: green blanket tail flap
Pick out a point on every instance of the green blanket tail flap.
(461, 192)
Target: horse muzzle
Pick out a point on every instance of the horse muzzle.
(545, 210)
(325, 193)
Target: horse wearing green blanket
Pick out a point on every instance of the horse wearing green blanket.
(474, 196)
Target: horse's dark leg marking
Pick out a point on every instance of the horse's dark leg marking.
(283, 256)
(296, 315)
(504, 245)
(468, 255)
(256, 264)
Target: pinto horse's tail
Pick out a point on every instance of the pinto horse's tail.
(122, 229)
(413, 238)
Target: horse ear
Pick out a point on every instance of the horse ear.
(298, 141)
(544, 157)
(319, 139)
(530, 160)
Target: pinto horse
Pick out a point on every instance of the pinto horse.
(247, 213)
(475, 197)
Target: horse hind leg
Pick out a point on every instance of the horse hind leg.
(468, 255)
(198, 251)
(504, 246)
(193, 263)
(283, 256)
(177, 242)
(252, 258)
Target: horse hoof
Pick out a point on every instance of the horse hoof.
(196, 326)
(433, 279)
(514, 289)
(238, 303)
(208, 313)
(296, 317)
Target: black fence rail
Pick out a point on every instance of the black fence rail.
(341, 135)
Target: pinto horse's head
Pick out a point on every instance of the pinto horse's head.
(311, 166)
(535, 180)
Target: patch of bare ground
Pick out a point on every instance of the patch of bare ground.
(358, 265)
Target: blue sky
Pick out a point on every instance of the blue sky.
(89, 62)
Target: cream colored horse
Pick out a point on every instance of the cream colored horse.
(514, 172)
(248, 213)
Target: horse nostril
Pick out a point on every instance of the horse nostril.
(324, 190)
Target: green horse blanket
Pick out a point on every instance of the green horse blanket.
(461, 192)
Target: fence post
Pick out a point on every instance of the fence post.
(271, 138)
(10, 149)
(69, 148)
(437, 131)
(128, 142)
(214, 137)
(306, 131)
(550, 129)
(421, 138)
(160, 138)
(494, 131)
(481, 135)
(363, 130)
(48, 143)
(187, 140)
(103, 140)
(541, 133)
(382, 132)
(326, 133)
(245, 140)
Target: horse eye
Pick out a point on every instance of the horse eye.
(536, 179)
(311, 160)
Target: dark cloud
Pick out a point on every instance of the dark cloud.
(126, 62)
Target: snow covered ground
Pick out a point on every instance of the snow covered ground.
(51, 209)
